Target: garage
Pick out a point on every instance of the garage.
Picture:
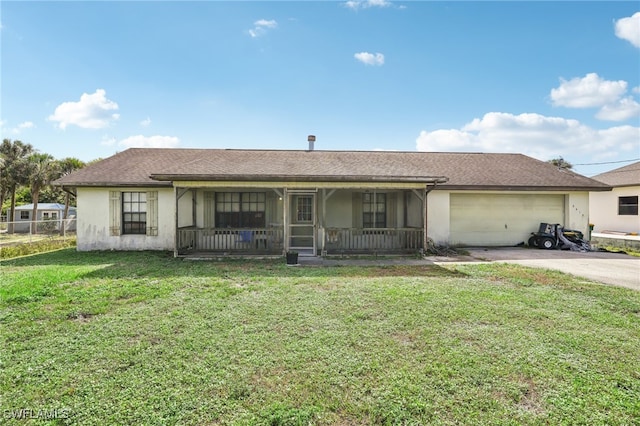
(501, 219)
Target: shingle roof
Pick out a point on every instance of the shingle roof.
(628, 175)
(43, 206)
(155, 166)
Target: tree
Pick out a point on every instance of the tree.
(561, 163)
(3, 186)
(42, 170)
(67, 166)
(14, 171)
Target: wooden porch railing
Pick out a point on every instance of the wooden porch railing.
(271, 240)
(226, 240)
(379, 240)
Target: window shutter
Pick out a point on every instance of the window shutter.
(209, 203)
(392, 210)
(356, 208)
(114, 213)
(152, 213)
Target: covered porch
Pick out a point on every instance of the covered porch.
(311, 218)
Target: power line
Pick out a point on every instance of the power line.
(607, 162)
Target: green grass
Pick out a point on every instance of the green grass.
(16, 246)
(142, 338)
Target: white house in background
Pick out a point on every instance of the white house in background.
(46, 212)
(617, 211)
(319, 202)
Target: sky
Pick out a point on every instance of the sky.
(548, 79)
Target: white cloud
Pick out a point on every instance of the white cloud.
(532, 134)
(587, 92)
(19, 128)
(157, 141)
(93, 111)
(623, 109)
(370, 58)
(108, 141)
(629, 29)
(261, 26)
(636, 89)
(26, 125)
(365, 4)
(592, 91)
(146, 122)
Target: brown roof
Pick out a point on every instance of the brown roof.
(155, 166)
(628, 175)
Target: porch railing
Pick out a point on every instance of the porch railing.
(271, 240)
(225, 240)
(379, 240)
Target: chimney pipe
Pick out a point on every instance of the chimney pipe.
(311, 139)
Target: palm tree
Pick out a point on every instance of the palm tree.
(42, 170)
(3, 186)
(14, 171)
(67, 166)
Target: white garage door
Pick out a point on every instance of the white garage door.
(496, 219)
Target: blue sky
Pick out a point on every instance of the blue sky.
(547, 79)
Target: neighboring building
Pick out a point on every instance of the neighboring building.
(51, 212)
(317, 202)
(617, 211)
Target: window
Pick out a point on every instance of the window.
(134, 212)
(374, 210)
(628, 206)
(54, 215)
(240, 209)
(45, 215)
(24, 215)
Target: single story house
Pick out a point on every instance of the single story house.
(51, 212)
(319, 202)
(617, 211)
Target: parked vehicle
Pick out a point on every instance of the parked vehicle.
(555, 236)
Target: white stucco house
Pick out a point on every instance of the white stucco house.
(617, 211)
(319, 202)
(52, 212)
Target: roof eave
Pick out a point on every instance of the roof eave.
(297, 178)
(111, 184)
(522, 188)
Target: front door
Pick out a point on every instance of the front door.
(302, 228)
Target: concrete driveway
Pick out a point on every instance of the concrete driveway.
(608, 268)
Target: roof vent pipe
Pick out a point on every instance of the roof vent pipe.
(311, 139)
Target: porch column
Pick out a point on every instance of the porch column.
(425, 237)
(175, 218)
(322, 220)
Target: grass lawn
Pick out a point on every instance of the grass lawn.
(142, 338)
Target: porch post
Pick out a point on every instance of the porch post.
(425, 237)
(175, 229)
(285, 219)
(322, 221)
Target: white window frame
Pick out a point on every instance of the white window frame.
(116, 218)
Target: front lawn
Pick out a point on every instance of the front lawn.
(142, 338)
